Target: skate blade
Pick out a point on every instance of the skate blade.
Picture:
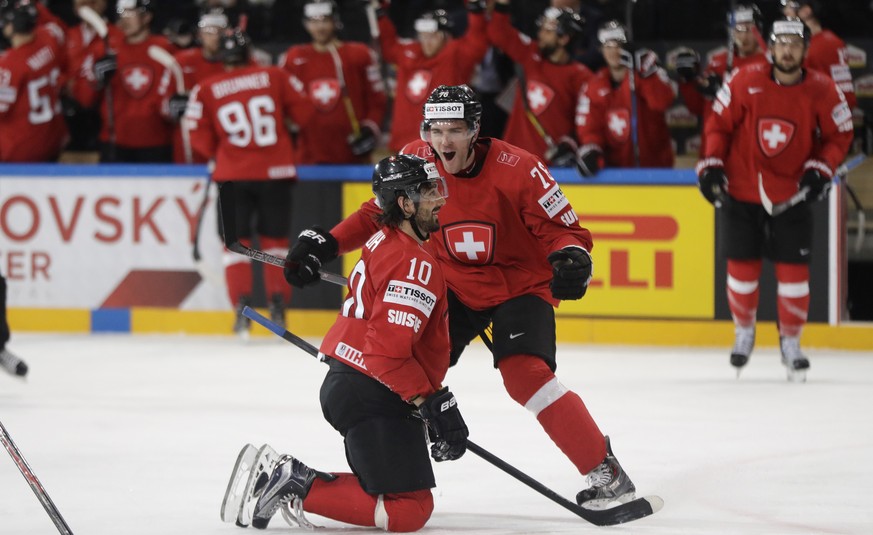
(796, 376)
(265, 463)
(236, 486)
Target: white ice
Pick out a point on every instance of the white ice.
(138, 434)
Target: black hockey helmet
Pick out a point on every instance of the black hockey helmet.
(789, 26)
(745, 15)
(434, 21)
(405, 175)
(612, 31)
(234, 47)
(142, 6)
(452, 102)
(21, 14)
(564, 21)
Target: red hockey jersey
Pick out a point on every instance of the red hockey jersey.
(497, 228)
(551, 89)
(32, 127)
(195, 68)
(827, 53)
(603, 118)
(393, 325)
(418, 75)
(238, 117)
(316, 73)
(779, 129)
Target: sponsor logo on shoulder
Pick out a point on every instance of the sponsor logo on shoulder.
(554, 201)
(404, 319)
(412, 295)
(509, 159)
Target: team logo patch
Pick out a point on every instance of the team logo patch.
(409, 294)
(470, 242)
(509, 159)
(348, 353)
(774, 135)
(539, 96)
(416, 87)
(137, 79)
(618, 123)
(553, 201)
(424, 152)
(324, 94)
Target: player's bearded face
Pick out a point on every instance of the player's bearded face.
(788, 53)
(451, 141)
(426, 216)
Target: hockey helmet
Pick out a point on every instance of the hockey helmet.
(234, 47)
(213, 18)
(448, 102)
(564, 21)
(744, 17)
(612, 32)
(142, 6)
(815, 5)
(320, 9)
(406, 175)
(787, 27)
(434, 21)
(21, 14)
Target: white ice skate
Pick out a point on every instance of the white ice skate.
(247, 496)
(744, 342)
(796, 364)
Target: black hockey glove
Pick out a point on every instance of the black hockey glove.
(710, 85)
(571, 272)
(364, 142)
(476, 6)
(564, 153)
(687, 65)
(445, 426)
(315, 246)
(647, 62)
(712, 181)
(817, 183)
(104, 69)
(177, 104)
(588, 160)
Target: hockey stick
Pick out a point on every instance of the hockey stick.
(33, 481)
(169, 62)
(732, 24)
(627, 512)
(551, 147)
(93, 19)
(344, 91)
(631, 81)
(227, 215)
(800, 196)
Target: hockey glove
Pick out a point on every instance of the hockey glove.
(445, 426)
(687, 65)
(709, 86)
(476, 6)
(177, 105)
(571, 272)
(712, 181)
(564, 153)
(314, 247)
(365, 141)
(816, 182)
(588, 160)
(648, 62)
(104, 69)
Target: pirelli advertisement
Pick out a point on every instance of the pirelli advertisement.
(652, 250)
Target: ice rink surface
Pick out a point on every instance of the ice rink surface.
(138, 434)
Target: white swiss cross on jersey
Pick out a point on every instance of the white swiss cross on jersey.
(539, 96)
(618, 123)
(774, 135)
(137, 79)
(470, 242)
(324, 93)
(416, 88)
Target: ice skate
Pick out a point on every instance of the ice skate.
(744, 342)
(794, 361)
(609, 483)
(242, 325)
(277, 310)
(258, 475)
(287, 488)
(12, 363)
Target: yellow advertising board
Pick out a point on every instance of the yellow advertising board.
(653, 250)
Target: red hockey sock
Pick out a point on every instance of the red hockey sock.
(274, 279)
(561, 412)
(238, 274)
(742, 290)
(343, 499)
(792, 297)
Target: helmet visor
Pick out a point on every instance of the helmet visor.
(442, 132)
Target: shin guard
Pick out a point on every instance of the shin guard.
(742, 290)
(792, 297)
